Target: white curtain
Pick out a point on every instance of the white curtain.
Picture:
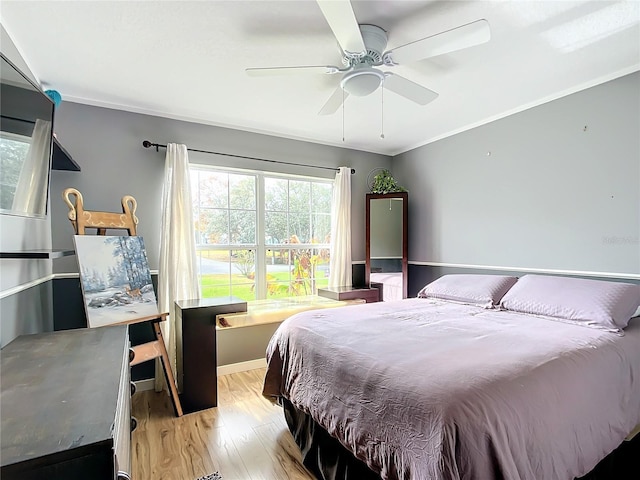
(178, 274)
(31, 190)
(340, 263)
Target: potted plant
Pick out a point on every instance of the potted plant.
(384, 182)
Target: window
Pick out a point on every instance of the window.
(261, 235)
(13, 151)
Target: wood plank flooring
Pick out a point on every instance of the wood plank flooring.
(244, 438)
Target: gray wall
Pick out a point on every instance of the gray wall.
(421, 275)
(108, 146)
(560, 188)
(29, 310)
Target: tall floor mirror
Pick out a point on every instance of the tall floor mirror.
(386, 244)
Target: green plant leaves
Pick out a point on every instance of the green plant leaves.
(384, 182)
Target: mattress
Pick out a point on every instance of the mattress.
(420, 388)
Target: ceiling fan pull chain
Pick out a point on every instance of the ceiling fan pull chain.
(382, 112)
(343, 114)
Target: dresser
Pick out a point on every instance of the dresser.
(65, 405)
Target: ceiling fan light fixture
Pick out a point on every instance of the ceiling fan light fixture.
(362, 82)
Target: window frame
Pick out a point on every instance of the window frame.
(260, 247)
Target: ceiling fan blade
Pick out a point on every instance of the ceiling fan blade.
(334, 102)
(340, 17)
(468, 35)
(408, 89)
(269, 71)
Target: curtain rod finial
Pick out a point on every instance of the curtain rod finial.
(146, 143)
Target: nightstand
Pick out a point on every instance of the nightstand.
(369, 295)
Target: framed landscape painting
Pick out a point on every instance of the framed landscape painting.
(115, 279)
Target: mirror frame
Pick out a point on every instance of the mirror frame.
(31, 86)
(405, 250)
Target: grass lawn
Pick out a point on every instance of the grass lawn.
(217, 285)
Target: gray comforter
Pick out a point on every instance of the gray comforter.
(422, 389)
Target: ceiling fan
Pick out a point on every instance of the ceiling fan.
(363, 50)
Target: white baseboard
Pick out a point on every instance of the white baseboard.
(149, 383)
(146, 384)
(242, 366)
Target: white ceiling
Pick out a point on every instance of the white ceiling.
(186, 60)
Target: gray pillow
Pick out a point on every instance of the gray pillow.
(483, 290)
(606, 305)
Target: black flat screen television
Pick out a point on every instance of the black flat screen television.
(26, 133)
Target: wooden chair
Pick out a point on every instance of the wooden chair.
(82, 219)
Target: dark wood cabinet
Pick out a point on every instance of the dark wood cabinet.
(196, 349)
(65, 405)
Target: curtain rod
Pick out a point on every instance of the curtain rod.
(148, 144)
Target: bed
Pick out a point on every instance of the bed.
(442, 389)
(392, 286)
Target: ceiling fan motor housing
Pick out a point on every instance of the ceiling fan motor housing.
(375, 42)
(363, 79)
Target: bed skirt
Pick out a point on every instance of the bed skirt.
(327, 459)
(323, 455)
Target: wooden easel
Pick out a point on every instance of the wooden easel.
(127, 220)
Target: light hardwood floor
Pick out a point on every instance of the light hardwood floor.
(244, 438)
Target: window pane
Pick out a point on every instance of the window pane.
(321, 195)
(275, 228)
(278, 264)
(213, 188)
(278, 272)
(297, 211)
(243, 274)
(299, 196)
(244, 265)
(299, 228)
(321, 268)
(244, 292)
(276, 256)
(302, 278)
(12, 155)
(215, 290)
(278, 289)
(214, 262)
(242, 227)
(321, 228)
(276, 194)
(215, 271)
(242, 192)
(212, 227)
